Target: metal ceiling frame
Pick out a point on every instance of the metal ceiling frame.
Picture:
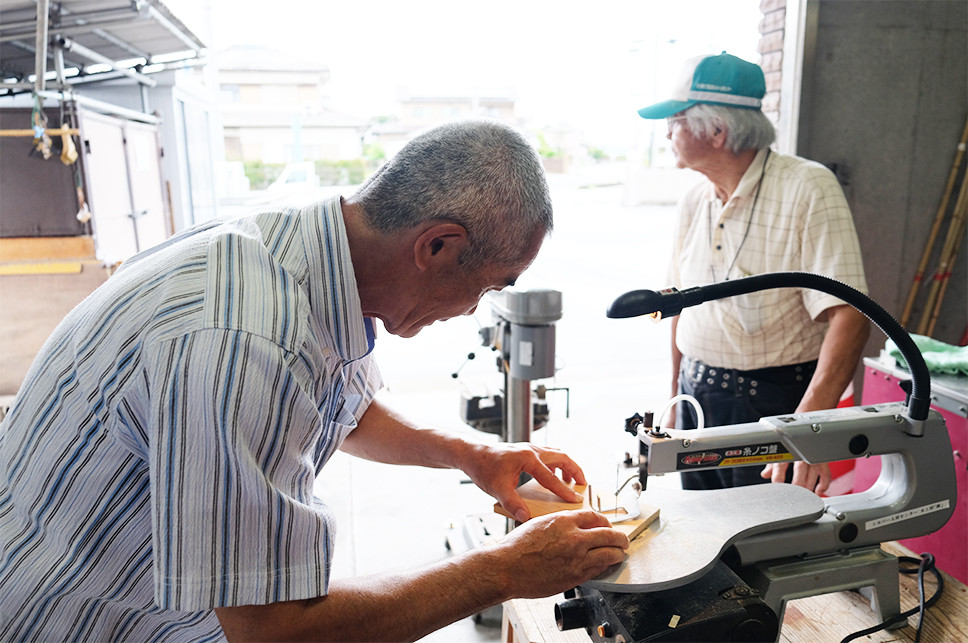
(57, 27)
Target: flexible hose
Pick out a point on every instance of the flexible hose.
(684, 397)
(671, 301)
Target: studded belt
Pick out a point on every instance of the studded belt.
(701, 373)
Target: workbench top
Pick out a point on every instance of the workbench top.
(949, 392)
(817, 619)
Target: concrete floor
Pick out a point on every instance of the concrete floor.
(393, 518)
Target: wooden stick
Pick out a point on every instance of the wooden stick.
(936, 227)
(944, 265)
(31, 133)
(959, 235)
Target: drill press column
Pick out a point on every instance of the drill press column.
(526, 329)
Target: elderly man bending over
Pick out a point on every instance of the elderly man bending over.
(158, 464)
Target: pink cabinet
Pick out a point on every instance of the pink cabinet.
(950, 397)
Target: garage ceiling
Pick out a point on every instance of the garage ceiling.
(88, 32)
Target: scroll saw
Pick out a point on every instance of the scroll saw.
(720, 565)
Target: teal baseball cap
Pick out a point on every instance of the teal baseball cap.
(719, 80)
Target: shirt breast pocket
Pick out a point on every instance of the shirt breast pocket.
(757, 310)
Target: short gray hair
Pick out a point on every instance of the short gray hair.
(480, 174)
(746, 129)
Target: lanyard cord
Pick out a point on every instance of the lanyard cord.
(749, 223)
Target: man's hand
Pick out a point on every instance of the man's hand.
(497, 470)
(815, 477)
(543, 557)
(558, 551)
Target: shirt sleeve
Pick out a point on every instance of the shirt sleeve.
(829, 244)
(363, 381)
(232, 438)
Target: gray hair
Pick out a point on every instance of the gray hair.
(746, 129)
(482, 175)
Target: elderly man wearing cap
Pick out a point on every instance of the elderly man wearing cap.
(757, 211)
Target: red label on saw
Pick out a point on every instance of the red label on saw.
(735, 456)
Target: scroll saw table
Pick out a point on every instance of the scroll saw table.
(818, 619)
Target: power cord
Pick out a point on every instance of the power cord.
(923, 564)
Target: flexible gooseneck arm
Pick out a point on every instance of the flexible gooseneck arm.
(670, 302)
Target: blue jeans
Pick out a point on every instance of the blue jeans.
(729, 396)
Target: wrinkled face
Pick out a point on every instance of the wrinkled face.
(687, 148)
(454, 292)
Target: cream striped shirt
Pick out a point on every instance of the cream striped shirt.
(801, 222)
(160, 457)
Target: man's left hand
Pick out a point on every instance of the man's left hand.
(497, 470)
(815, 477)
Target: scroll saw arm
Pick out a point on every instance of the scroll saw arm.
(914, 495)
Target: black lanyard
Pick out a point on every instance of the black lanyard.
(749, 222)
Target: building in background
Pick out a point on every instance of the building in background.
(419, 109)
(274, 110)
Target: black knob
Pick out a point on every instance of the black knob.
(571, 614)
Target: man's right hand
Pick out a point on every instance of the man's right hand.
(556, 552)
(543, 557)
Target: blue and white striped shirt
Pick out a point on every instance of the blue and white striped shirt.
(159, 459)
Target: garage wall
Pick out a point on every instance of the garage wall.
(27, 210)
(885, 97)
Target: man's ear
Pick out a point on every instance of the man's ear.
(440, 244)
(718, 139)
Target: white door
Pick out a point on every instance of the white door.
(122, 161)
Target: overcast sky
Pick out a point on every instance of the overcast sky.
(588, 64)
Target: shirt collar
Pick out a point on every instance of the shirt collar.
(747, 184)
(334, 296)
(751, 178)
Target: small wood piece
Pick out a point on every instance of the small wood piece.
(541, 502)
(59, 131)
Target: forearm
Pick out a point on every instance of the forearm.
(676, 358)
(540, 558)
(384, 436)
(839, 354)
(395, 607)
(670, 415)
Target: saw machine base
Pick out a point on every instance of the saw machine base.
(717, 607)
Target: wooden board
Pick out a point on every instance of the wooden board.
(541, 502)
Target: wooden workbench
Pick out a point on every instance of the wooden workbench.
(818, 619)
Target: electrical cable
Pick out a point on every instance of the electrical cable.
(924, 563)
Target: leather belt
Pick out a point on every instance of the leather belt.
(701, 373)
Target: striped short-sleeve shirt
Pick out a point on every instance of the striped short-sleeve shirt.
(159, 460)
(786, 214)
